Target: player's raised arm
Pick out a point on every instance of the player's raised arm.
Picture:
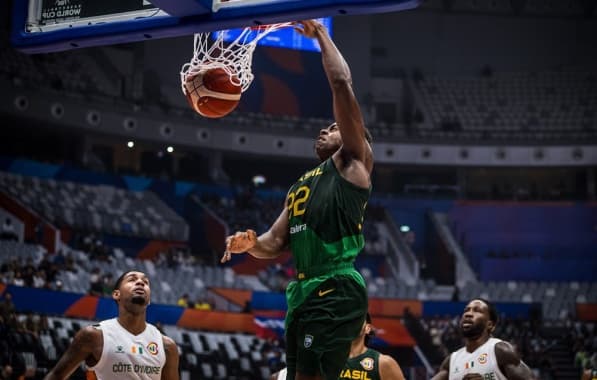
(347, 111)
(267, 246)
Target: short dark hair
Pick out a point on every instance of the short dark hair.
(368, 135)
(119, 280)
(493, 313)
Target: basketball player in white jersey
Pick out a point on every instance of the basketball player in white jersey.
(126, 347)
(482, 357)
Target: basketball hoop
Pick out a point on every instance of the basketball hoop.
(235, 57)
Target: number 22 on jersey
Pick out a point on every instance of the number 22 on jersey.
(295, 202)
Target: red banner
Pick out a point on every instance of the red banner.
(586, 311)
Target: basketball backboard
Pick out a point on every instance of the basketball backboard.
(53, 25)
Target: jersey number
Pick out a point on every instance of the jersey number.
(296, 201)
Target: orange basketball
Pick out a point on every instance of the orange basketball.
(212, 94)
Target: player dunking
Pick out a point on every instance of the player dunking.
(322, 223)
(126, 347)
(482, 357)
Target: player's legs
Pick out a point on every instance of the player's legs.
(326, 324)
(291, 351)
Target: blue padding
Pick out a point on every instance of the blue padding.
(538, 269)
(130, 245)
(34, 169)
(166, 190)
(137, 183)
(169, 26)
(525, 241)
(88, 177)
(375, 263)
(166, 314)
(268, 301)
(41, 301)
(376, 341)
(184, 188)
(106, 309)
(271, 194)
(454, 309)
(57, 303)
(413, 213)
(214, 189)
(194, 215)
(5, 163)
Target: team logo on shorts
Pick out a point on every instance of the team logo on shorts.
(308, 341)
(152, 348)
(482, 358)
(367, 364)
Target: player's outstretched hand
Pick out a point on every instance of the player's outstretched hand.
(307, 28)
(240, 242)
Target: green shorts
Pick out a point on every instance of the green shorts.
(319, 337)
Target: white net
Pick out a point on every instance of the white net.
(234, 57)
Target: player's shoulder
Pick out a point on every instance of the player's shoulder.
(503, 345)
(389, 367)
(505, 353)
(89, 334)
(105, 324)
(383, 358)
(169, 343)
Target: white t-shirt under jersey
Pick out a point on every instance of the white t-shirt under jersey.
(482, 361)
(128, 356)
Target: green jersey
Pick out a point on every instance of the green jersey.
(325, 221)
(362, 367)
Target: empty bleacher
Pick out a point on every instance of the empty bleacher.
(97, 208)
(515, 106)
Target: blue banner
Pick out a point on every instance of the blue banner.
(41, 301)
(34, 169)
(136, 183)
(268, 301)
(454, 309)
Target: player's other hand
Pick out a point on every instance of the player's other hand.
(472, 376)
(308, 28)
(240, 242)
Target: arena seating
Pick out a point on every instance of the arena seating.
(520, 106)
(76, 73)
(14, 250)
(173, 281)
(558, 299)
(97, 208)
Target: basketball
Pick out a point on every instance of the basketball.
(212, 93)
